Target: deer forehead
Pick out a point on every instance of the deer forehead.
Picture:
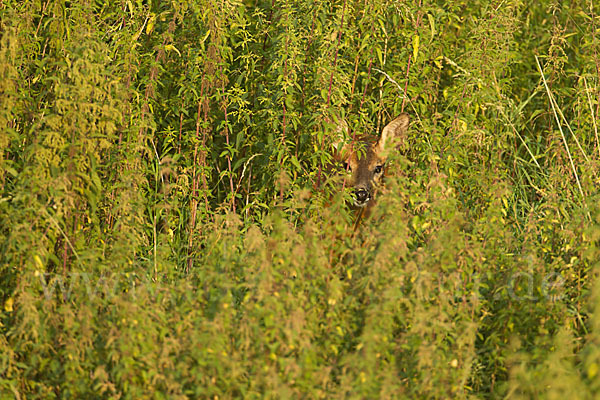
(367, 158)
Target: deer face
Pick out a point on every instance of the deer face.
(366, 160)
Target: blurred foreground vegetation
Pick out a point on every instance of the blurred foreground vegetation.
(169, 226)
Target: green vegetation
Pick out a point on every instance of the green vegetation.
(170, 226)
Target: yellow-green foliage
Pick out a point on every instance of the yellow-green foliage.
(170, 226)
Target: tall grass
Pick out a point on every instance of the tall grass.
(171, 225)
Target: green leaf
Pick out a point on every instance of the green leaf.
(415, 45)
(171, 47)
(296, 163)
(431, 25)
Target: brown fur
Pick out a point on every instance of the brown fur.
(366, 158)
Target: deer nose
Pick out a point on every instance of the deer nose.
(361, 195)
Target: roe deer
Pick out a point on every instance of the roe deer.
(365, 160)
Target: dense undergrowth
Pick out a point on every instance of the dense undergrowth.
(170, 228)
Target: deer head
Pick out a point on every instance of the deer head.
(366, 159)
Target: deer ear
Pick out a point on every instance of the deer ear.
(394, 130)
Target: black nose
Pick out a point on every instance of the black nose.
(361, 195)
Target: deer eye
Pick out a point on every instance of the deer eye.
(378, 169)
